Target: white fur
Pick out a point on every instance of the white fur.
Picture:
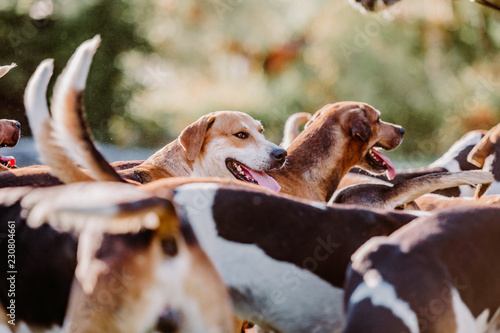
(463, 317)
(495, 186)
(35, 100)
(256, 156)
(448, 160)
(268, 292)
(71, 80)
(383, 294)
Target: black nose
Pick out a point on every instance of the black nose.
(169, 321)
(402, 131)
(18, 124)
(279, 154)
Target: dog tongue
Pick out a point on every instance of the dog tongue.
(390, 172)
(264, 180)
(11, 161)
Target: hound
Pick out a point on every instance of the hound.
(223, 144)
(437, 274)
(104, 257)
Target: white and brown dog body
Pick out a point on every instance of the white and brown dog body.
(107, 258)
(284, 260)
(437, 274)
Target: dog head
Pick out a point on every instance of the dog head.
(231, 144)
(362, 134)
(10, 132)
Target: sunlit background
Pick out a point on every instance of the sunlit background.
(432, 66)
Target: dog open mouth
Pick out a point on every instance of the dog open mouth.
(244, 173)
(380, 163)
(7, 161)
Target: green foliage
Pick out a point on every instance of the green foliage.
(432, 67)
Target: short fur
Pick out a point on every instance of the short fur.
(399, 195)
(436, 274)
(297, 245)
(453, 160)
(136, 259)
(337, 137)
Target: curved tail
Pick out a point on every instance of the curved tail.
(51, 151)
(291, 130)
(411, 189)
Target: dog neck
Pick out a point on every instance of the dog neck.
(170, 161)
(316, 163)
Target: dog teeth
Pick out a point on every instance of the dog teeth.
(237, 167)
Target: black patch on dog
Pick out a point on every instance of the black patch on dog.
(45, 261)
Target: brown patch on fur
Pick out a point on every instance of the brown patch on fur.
(485, 147)
(193, 136)
(76, 125)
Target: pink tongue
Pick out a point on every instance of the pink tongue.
(9, 159)
(390, 172)
(263, 179)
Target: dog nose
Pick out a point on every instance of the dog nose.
(402, 131)
(279, 154)
(18, 124)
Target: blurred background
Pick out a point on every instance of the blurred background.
(432, 66)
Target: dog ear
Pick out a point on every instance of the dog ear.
(193, 136)
(358, 123)
(484, 148)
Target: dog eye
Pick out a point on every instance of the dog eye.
(241, 135)
(169, 246)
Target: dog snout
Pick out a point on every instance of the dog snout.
(279, 155)
(401, 130)
(18, 124)
(169, 321)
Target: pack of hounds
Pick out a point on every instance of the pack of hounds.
(224, 231)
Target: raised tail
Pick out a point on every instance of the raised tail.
(68, 116)
(51, 152)
(291, 130)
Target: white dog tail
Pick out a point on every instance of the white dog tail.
(51, 152)
(68, 117)
(291, 130)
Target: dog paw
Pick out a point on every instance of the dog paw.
(373, 5)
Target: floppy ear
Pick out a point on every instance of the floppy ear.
(358, 123)
(484, 148)
(193, 136)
